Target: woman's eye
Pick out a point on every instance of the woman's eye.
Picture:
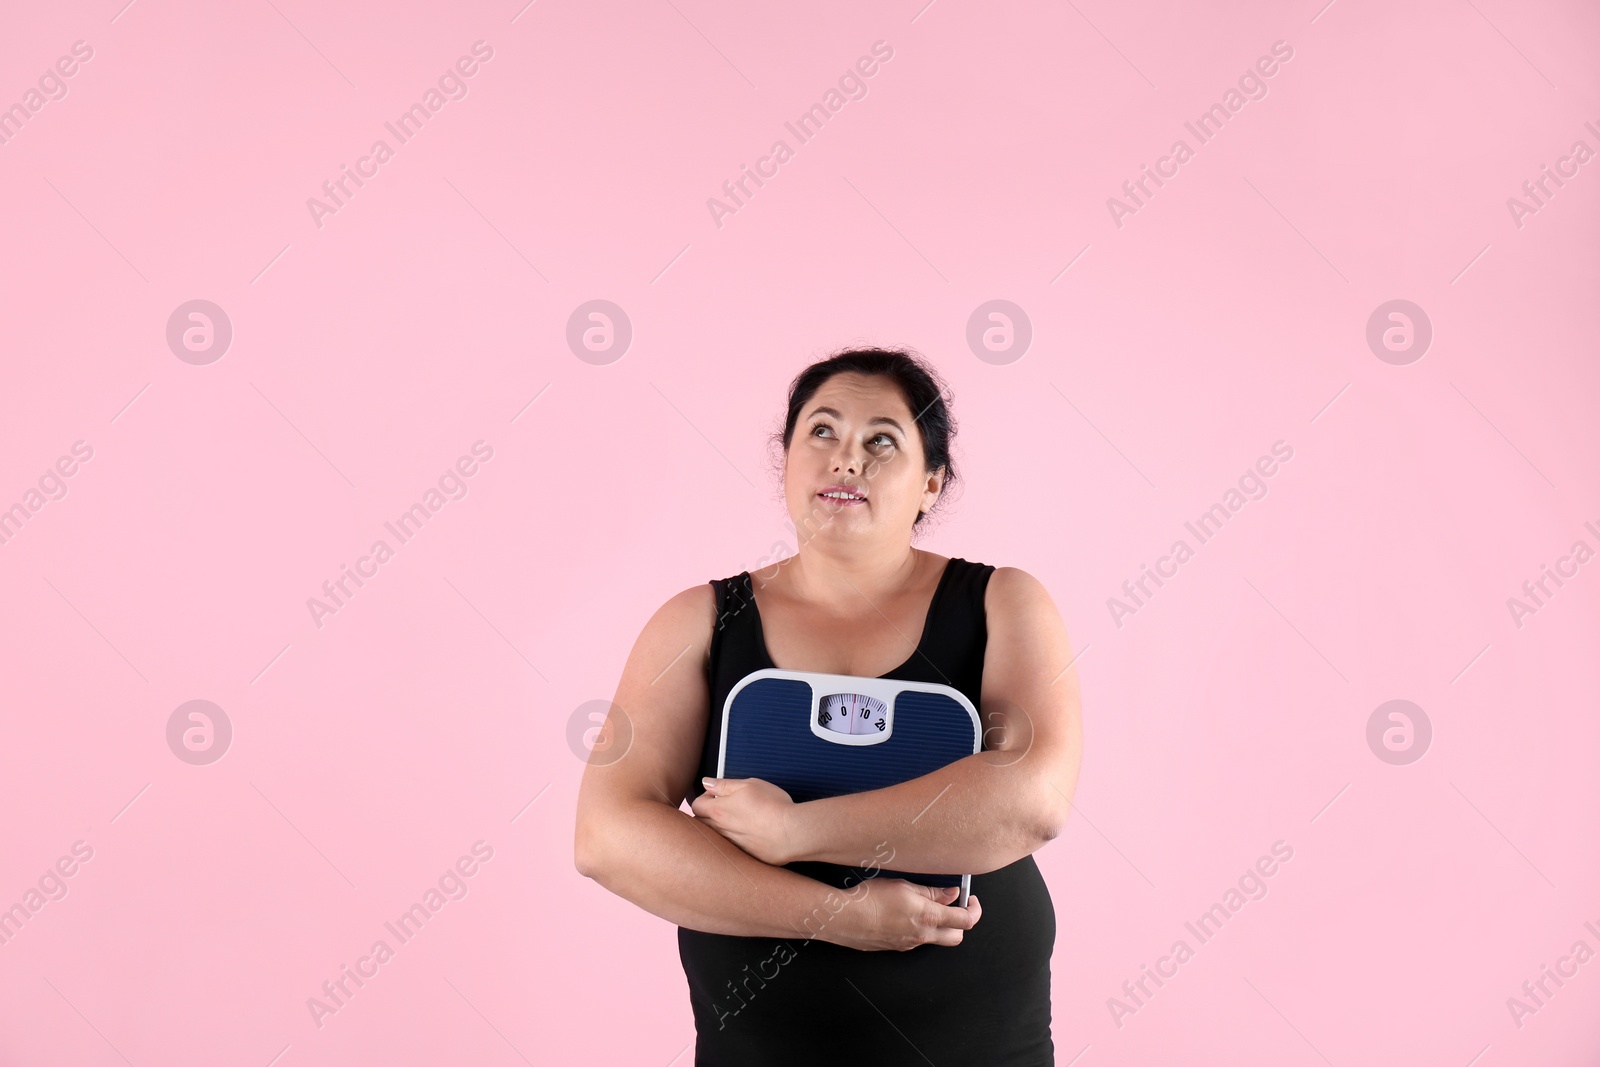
(884, 437)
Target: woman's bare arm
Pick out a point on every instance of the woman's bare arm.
(632, 835)
(990, 809)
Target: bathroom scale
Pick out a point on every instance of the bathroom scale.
(820, 735)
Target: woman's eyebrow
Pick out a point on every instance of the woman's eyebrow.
(870, 422)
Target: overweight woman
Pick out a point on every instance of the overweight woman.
(781, 967)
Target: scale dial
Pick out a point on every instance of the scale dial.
(852, 713)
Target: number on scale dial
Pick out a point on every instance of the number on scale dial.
(852, 713)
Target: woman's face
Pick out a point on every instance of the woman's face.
(856, 431)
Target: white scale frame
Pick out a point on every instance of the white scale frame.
(827, 685)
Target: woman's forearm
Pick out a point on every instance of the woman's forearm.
(661, 859)
(972, 816)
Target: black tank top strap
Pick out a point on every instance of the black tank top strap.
(736, 634)
(735, 652)
(957, 634)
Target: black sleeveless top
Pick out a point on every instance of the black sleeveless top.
(772, 1001)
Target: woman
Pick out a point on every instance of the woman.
(782, 967)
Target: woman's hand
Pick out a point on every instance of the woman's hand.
(754, 814)
(896, 915)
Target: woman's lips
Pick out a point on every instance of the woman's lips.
(838, 502)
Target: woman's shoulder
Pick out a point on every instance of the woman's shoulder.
(694, 613)
(689, 614)
(974, 573)
(1015, 594)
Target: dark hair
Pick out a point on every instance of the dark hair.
(923, 391)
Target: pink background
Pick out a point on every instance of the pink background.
(435, 708)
